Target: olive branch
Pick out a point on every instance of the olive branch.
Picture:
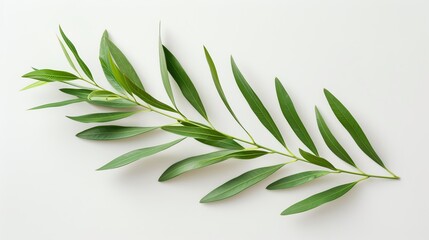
(131, 98)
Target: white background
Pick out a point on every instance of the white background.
(373, 55)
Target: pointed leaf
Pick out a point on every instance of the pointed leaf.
(184, 82)
(101, 117)
(255, 103)
(331, 141)
(201, 161)
(147, 98)
(49, 75)
(292, 117)
(113, 132)
(164, 70)
(319, 199)
(109, 99)
(195, 132)
(66, 54)
(58, 104)
(104, 60)
(77, 92)
(79, 60)
(135, 155)
(33, 85)
(316, 159)
(123, 64)
(352, 126)
(296, 179)
(118, 75)
(224, 143)
(240, 183)
(219, 86)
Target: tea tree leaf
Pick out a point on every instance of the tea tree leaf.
(109, 99)
(292, 117)
(80, 93)
(184, 82)
(240, 183)
(316, 160)
(255, 103)
(319, 199)
(123, 64)
(111, 132)
(66, 54)
(79, 60)
(352, 126)
(138, 154)
(101, 117)
(195, 132)
(223, 143)
(33, 85)
(58, 104)
(49, 75)
(331, 141)
(105, 64)
(164, 70)
(147, 98)
(199, 161)
(296, 179)
(118, 75)
(219, 87)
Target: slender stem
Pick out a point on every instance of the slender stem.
(289, 154)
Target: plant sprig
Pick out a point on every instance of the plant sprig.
(131, 95)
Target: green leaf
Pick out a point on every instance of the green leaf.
(147, 98)
(331, 141)
(58, 104)
(247, 154)
(292, 117)
(123, 64)
(109, 99)
(135, 155)
(219, 86)
(33, 85)
(118, 75)
(69, 60)
(184, 82)
(255, 103)
(352, 126)
(224, 143)
(319, 199)
(79, 60)
(296, 179)
(113, 132)
(49, 75)
(105, 64)
(77, 92)
(201, 161)
(240, 183)
(101, 117)
(164, 70)
(195, 132)
(316, 160)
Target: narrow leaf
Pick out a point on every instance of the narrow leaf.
(147, 98)
(164, 70)
(135, 155)
(331, 141)
(104, 61)
(77, 92)
(79, 60)
(109, 99)
(219, 86)
(255, 103)
(352, 126)
(201, 161)
(316, 160)
(195, 132)
(33, 85)
(49, 75)
(58, 104)
(101, 117)
(240, 183)
(184, 82)
(123, 64)
(224, 143)
(118, 75)
(292, 117)
(113, 132)
(66, 54)
(319, 199)
(296, 179)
